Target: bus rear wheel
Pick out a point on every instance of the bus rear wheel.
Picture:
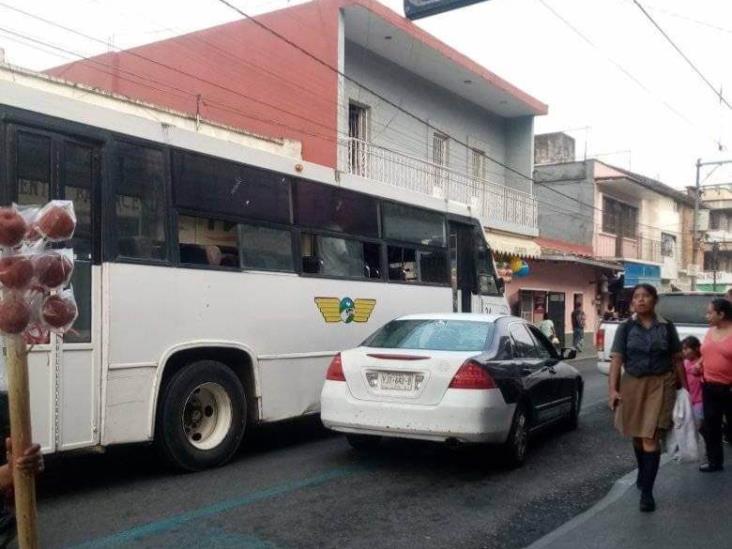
(202, 416)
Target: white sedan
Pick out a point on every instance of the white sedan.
(468, 378)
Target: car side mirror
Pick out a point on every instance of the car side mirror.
(568, 353)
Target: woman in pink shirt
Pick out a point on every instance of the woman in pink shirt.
(717, 373)
(691, 349)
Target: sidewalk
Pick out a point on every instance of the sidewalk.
(691, 511)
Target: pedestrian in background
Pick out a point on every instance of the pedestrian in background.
(717, 373)
(648, 347)
(547, 327)
(691, 349)
(578, 327)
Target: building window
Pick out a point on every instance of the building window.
(720, 220)
(358, 132)
(668, 245)
(478, 164)
(439, 149)
(440, 153)
(619, 218)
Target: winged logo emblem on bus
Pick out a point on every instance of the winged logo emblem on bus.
(345, 310)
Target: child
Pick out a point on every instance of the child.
(691, 349)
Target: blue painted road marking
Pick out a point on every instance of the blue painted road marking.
(164, 525)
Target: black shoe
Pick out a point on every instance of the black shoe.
(710, 468)
(647, 503)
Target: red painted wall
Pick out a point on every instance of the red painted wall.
(246, 77)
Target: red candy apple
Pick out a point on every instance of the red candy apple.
(14, 314)
(59, 311)
(56, 221)
(16, 272)
(53, 269)
(12, 227)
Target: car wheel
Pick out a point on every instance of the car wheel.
(363, 443)
(202, 416)
(517, 444)
(573, 418)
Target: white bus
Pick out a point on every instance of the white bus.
(215, 281)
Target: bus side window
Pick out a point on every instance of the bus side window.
(140, 205)
(33, 168)
(206, 241)
(408, 264)
(265, 249)
(340, 257)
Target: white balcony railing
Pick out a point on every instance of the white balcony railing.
(495, 204)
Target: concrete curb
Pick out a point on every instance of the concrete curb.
(618, 490)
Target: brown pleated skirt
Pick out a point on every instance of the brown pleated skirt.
(646, 405)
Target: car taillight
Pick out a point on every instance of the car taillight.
(600, 340)
(472, 375)
(335, 370)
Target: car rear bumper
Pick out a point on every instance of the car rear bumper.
(471, 416)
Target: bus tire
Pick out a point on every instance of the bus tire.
(202, 416)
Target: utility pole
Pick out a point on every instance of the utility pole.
(715, 264)
(695, 238)
(696, 244)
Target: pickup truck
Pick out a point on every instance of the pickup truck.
(687, 310)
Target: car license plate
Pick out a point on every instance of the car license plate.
(396, 381)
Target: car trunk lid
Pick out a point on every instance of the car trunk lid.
(408, 375)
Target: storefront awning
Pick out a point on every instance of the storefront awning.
(514, 245)
(583, 261)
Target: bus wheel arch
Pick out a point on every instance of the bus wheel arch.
(221, 381)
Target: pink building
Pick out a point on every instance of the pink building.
(566, 274)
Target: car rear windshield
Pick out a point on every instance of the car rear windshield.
(433, 335)
(684, 309)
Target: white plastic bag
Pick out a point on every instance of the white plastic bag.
(683, 443)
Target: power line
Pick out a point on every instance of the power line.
(690, 19)
(363, 86)
(390, 102)
(246, 115)
(290, 82)
(626, 72)
(683, 55)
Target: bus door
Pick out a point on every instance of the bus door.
(462, 266)
(64, 372)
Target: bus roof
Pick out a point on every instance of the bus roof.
(39, 93)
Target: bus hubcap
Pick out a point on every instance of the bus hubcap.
(207, 416)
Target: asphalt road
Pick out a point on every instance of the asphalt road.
(297, 485)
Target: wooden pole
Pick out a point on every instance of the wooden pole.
(20, 434)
